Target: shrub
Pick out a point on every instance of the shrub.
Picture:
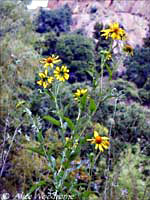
(129, 89)
(130, 122)
(138, 66)
(13, 17)
(145, 96)
(58, 20)
(133, 165)
(17, 56)
(46, 45)
(77, 52)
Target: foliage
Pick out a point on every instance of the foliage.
(129, 89)
(133, 166)
(58, 20)
(138, 66)
(46, 45)
(130, 122)
(147, 39)
(13, 17)
(17, 56)
(76, 51)
(57, 120)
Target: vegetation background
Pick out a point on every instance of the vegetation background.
(28, 36)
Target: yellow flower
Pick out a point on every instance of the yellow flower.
(79, 93)
(101, 143)
(115, 32)
(128, 49)
(50, 61)
(45, 79)
(61, 73)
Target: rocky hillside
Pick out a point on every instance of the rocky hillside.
(132, 14)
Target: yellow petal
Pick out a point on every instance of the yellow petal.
(100, 148)
(89, 140)
(46, 65)
(66, 76)
(40, 82)
(105, 146)
(51, 65)
(96, 146)
(46, 72)
(50, 79)
(96, 134)
(105, 138)
(45, 84)
(42, 75)
(58, 69)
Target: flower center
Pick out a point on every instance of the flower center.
(61, 73)
(98, 139)
(49, 60)
(44, 79)
(116, 30)
(129, 49)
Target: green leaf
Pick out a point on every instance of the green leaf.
(35, 186)
(73, 155)
(49, 94)
(52, 120)
(36, 150)
(53, 161)
(92, 106)
(69, 123)
(40, 137)
(109, 71)
(90, 73)
(83, 101)
(86, 194)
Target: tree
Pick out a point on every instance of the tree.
(58, 20)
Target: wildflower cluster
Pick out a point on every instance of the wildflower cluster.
(52, 72)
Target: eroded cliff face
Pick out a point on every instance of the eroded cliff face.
(134, 15)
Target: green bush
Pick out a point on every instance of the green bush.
(58, 20)
(129, 177)
(130, 122)
(46, 45)
(129, 89)
(137, 66)
(77, 52)
(14, 16)
(145, 96)
(17, 56)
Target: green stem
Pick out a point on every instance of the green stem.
(55, 94)
(109, 152)
(102, 72)
(91, 168)
(79, 114)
